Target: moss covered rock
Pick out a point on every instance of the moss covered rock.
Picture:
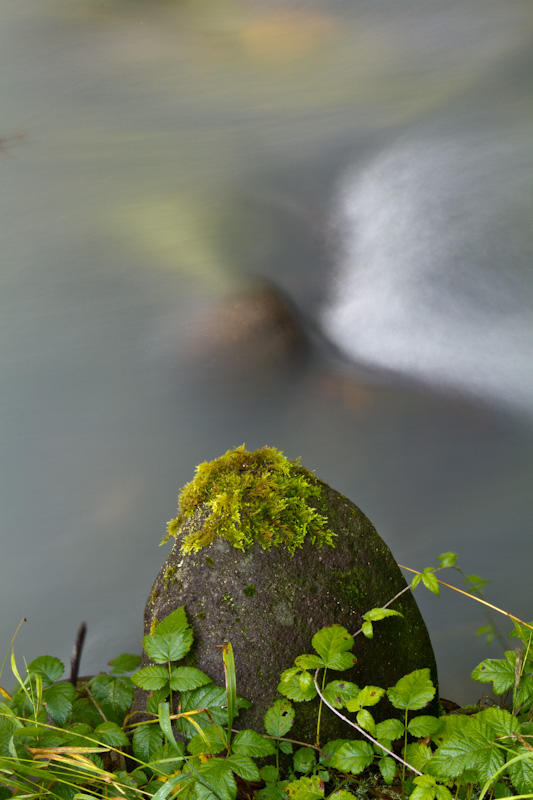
(266, 554)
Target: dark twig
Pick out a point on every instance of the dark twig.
(76, 654)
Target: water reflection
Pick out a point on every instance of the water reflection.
(179, 157)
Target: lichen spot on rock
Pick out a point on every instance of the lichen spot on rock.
(251, 497)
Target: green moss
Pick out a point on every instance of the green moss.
(253, 497)
(169, 577)
(249, 591)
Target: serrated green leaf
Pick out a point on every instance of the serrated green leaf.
(416, 580)
(337, 693)
(474, 583)
(309, 788)
(418, 755)
(330, 643)
(521, 772)
(447, 560)
(173, 623)
(279, 718)
(59, 699)
(367, 629)
(471, 747)
(304, 760)
(423, 726)
(166, 760)
(376, 614)
(126, 662)
(185, 678)
(387, 767)
(498, 671)
(48, 667)
(146, 740)
(290, 687)
(165, 647)
(502, 723)
(273, 791)
(243, 766)
(342, 794)
(151, 678)
(269, 774)
(305, 682)
(109, 733)
(250, 743)
(368, 696)
(212, 740)
(354, 756)
(219, 781)
(413, 691)
(430, 582)
(113, 691)
(286, 747)
(389, 729)
(209, 696)
(366, 721)
(307, 661)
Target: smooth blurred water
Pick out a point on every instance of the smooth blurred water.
(373, 161)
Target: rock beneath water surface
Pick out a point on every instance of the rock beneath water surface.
(268, 602)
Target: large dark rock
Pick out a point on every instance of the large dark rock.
(269, 604)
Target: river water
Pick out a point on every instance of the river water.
(373, 162)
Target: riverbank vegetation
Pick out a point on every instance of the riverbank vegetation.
(81, 740)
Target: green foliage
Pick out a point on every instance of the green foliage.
(259, 496)
(78, 743)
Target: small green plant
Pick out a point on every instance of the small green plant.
(78, 742)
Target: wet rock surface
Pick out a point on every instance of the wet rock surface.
(269, 605)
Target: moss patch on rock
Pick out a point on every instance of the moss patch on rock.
(253, 497)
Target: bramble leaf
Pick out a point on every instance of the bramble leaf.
(185, 678)
(115, 692)
(173, 623)
(309, 788)
(337, 693)
(151, 678)
(243, 766)
(309, 660)
(447, 560)
(279, 718)
(304, 760)
(389, 729)
(413, 691)
(290, 686)
(365, 720)
(426, 788)
(368, 696)
(376, 614)
(331, 644)
(250, 743)
(59, 699)
(367, 629)
(48, 667)
(418, 755)
(387, 767)
(109, 733)
(218, 776)
(430, 581)
(423, 726)
(209, 696)
(146, 740)
(499, 671)
(165, 647)
(521, 772)
(353, 756)
(124, 663)
(211, 741)
(470, 747)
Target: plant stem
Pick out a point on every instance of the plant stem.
(468, 594)
(362, 731)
